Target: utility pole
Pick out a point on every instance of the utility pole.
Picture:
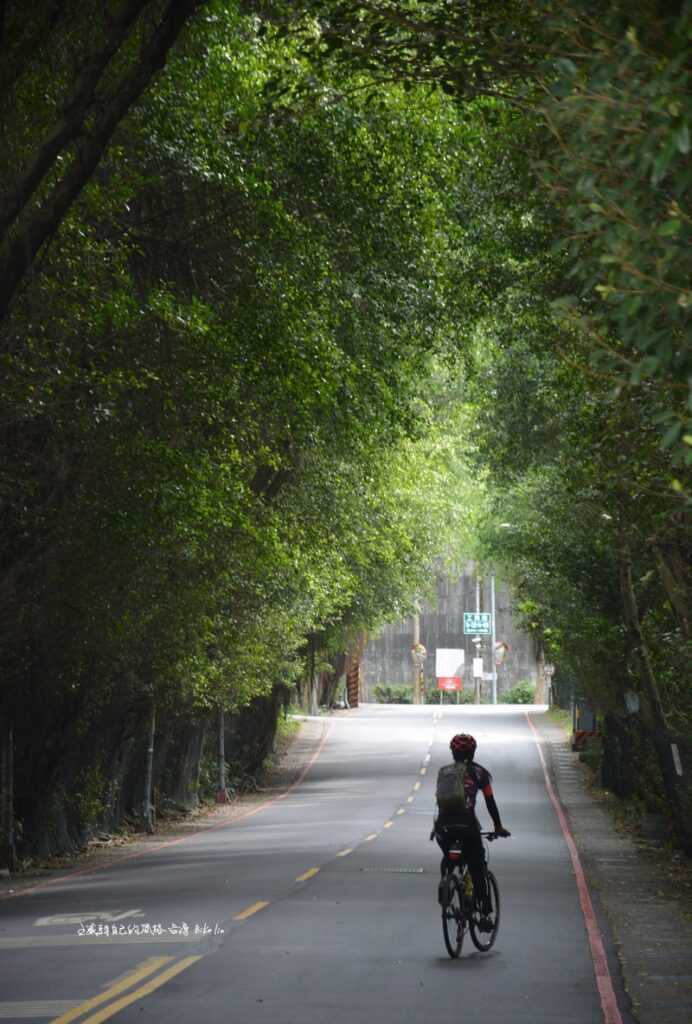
(477, 682)
(493, 638)
(148, 806)
(221, 792)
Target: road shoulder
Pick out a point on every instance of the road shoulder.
(648, 917)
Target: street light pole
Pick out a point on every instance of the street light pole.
(478, 683)
(493, 638)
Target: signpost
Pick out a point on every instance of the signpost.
(449, 661)
(449, 683)
(478, 624)
(449, 669)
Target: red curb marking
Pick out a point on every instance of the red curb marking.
(604, 981)
(181, 839)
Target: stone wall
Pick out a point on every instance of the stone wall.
(387, 658)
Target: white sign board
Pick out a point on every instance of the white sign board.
(448, 662)
(477, 668)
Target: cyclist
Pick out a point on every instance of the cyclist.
(457, 789)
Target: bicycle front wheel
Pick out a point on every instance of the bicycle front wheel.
(484, 939)
(453, 922)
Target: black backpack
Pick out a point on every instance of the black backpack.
(453, 784)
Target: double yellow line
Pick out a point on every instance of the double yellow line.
(137, 978)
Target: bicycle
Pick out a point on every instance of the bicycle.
(459, 910)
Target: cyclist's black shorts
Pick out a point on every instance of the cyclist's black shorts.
(471, 841)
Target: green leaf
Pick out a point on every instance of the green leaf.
(669, 228)
(566, 66)
(671, 435)
(682, 138)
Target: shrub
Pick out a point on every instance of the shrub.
(522, 692)
(385, 694)
(432, 696)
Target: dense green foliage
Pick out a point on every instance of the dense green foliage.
(523, 692)
(582, 384)
(267, 311)
(386, 693)
(229, 437)
(577, 333)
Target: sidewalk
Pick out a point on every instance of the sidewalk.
(648, 912)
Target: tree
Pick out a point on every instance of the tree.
(215, 387)
(88, 67)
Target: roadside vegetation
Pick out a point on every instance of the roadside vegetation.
(288, 323)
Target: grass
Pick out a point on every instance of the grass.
(286, 728)
(562, 718)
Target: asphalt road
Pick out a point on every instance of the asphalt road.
(322, 906)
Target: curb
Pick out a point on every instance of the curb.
(640, 906)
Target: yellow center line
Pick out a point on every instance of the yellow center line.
(249, 911)
(373, 835)
(409, 799)
(142, 991)
(310, 873)
(138, 974)
(344, 853)
(423, 771)
(401, 810)
(417, 786)
(388, 824)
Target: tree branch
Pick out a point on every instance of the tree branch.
(71, 122)
(18, 257)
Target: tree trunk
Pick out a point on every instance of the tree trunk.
(329, 681)
(148, 809)
(675, 780)
(313, 708)
(540, 671)
(674, 570)
(38, 222)
(353, 660)
(8, 858)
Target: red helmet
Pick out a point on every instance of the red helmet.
(462, 743)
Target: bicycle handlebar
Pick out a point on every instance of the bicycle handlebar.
(490, 836)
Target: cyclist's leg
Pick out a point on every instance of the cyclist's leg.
(445, 864)
(475, 858)
(443, 843)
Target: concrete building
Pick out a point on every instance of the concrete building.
(387, 659)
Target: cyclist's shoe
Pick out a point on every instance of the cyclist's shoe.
(486, 924)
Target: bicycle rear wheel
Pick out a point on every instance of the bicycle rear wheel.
(483, 940)
(453, 922)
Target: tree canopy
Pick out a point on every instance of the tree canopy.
(285, 288)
